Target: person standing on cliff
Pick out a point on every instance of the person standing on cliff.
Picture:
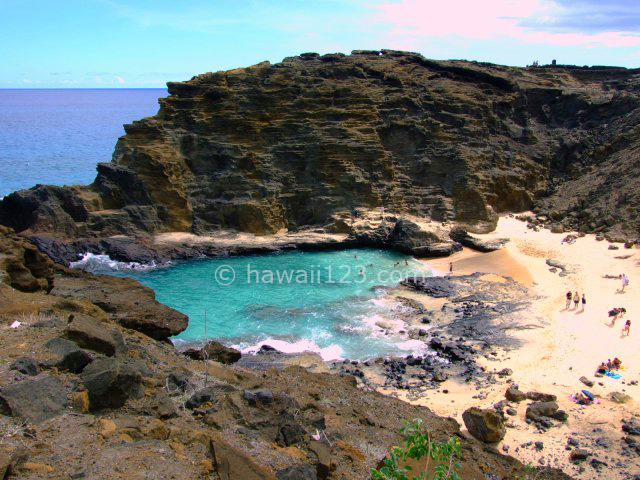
(382, 213)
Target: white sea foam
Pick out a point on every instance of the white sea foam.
(332, 352)
(95, 263)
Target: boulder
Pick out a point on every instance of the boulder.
(111, 383)
(67, 355)
(485, 425)
(537, 410)
(619, 397)
(179, 381)
(297, 472)
(322, 453)
(260, 396)
(124, 300)
(34, 400)
(159, 405)
(462, 237)
(586, 381)
(214, 351)
(579, 454)
(290, 434)
(514, 395)
(233, 464)
(25, 365)
(89, 333)
(541, 397)
(411, 238)
(206, 395)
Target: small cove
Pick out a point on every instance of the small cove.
(326, 302)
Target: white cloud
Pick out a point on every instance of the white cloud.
(527, 21)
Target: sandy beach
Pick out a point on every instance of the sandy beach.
(567, 345)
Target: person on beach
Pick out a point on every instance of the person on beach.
(602, 368)
(450, 267)
(576, 300)
(617, 363)
(624, 280)
(627, 328)
(569, 297)
(615, 313)
(584, 302)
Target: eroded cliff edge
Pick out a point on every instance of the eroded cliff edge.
(301, 143)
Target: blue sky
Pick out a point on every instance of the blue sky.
(145, 43)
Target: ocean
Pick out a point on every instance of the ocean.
(57, 136)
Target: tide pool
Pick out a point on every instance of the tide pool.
(327, 302)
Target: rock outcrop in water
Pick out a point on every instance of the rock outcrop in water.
(300, 143)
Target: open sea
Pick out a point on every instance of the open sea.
(337, 310)
(57, 136)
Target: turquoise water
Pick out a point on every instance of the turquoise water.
(325, 305)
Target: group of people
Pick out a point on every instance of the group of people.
(575, 297)
(609, 365)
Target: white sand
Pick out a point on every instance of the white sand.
(570, 344)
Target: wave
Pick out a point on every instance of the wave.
(332, 352)
(92, 262)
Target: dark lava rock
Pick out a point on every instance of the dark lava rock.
(34, 400)
(68, 356)
(267, 349)
(25, 365)
(579, 454)
(88, 333)
(261, 396)
(514, 395)
(110, 383)
(202, 396)
(160, 405)
(214, 351)
(541, 409)
(178, 381)
(485, 425)
(586, 381)
(290, 434)
(440, 376)
(297, 472)
(541, 397)
(461, 236)
(512, 412)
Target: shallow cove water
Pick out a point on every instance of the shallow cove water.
(326, 302)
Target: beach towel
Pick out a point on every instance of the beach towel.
(613, 375)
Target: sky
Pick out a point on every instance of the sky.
(145, 43)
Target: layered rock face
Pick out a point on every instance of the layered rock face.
(302, 142)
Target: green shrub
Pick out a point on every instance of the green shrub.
(418, 445)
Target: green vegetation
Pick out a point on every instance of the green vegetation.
(419, 445)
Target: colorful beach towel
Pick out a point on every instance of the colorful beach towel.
(613, 375)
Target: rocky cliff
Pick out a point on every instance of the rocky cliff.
(300, 143)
